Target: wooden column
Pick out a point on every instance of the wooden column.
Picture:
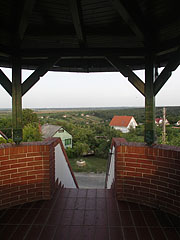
(16, 100)
(149, 135)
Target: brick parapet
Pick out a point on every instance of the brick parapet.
(27, 172)
(148, 174)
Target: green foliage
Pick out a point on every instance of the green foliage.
(6, 126)
(93, 164)
(29, 117)
(2, 140)
(31, 133)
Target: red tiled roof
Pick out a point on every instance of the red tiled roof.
(121, 121)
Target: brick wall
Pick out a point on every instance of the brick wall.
(27, 172)
(148, 175)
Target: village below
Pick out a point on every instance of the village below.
(86, 134)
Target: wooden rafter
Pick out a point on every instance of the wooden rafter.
(167, 71)
(39, 72)
(5, 82)
(127, 72)
(77, 21)
(75, 52)
(132, 22)
(24, 17)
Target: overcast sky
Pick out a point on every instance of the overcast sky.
(67, 90)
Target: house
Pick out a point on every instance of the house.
(49, 130)
(178, 123)
(159, 121)
(123, 123)
(2, 135)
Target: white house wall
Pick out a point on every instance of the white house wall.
(62, 171)
(122, 129)
(110, 178)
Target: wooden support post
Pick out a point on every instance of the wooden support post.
(16, 100)
(149, 135)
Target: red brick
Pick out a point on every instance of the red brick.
(24, 169)
(9, 181)
(9, 171)
(7, 162)
(4, 177)
(142, 170)
(2, 152)
(3, 158)
(132, 164)
(35, 163)
(22, 174)
(28, 178)
(6, 167)
(18, 165)
(14, 156)
(25, 160)
(6, 151)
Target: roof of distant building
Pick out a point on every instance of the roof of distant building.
(122, 121)
(49, 130)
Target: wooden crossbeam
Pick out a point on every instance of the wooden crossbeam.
(39, 72)
(127, 72)
(77, 21)
(24, 17)
(5, 82)
(167, 71)
(76, 52)
(128, 18)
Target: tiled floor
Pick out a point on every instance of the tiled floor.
(86, 215)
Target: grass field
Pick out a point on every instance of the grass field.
(93, 164)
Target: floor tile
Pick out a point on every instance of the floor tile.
(90, 203)
(62, 233)
(100, 203)
(101, 233)
(89, 217)
(157, 233)
(171, 234)
(78, 217)
(8, 231)
(116, 233)
(91, 193)
(7, 216)
(33, 232)
(130, 233)
(47, 233)
(163, 219)
(88, 232)
(101, 218)
(150, 218)
(143, 233)
(30, 217)
(126, 218)
(20, 232)
(80, 203)
(66, 218)
(138, 218)
(42, 216)
(114, 219)
(54, 218)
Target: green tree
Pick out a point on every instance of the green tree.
(28, 116)
(31, 133)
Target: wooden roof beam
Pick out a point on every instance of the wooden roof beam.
(77, 21)
(5, 82)
(167, 71)
(127, 72)
(131, 21)
(24, 17)
(39, 72)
